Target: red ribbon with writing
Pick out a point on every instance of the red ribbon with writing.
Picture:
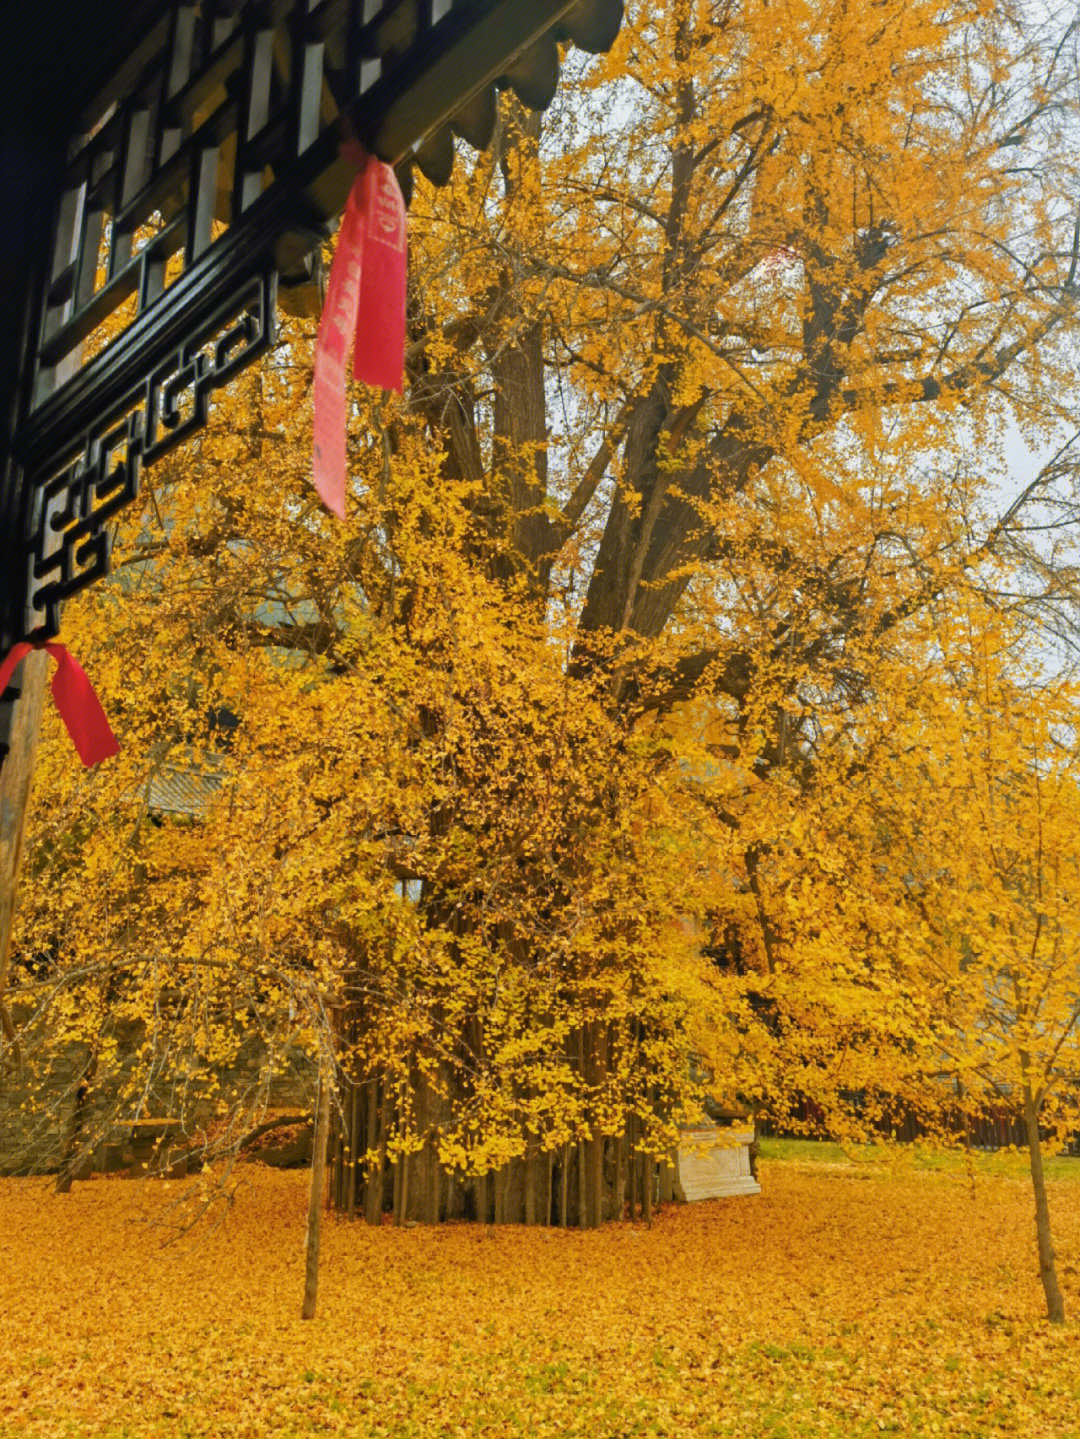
(365, 298)
(79, 706)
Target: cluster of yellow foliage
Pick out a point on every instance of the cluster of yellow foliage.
(612, 731)
(843, 1303)
(432, 846)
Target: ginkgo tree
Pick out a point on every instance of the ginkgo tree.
(705, 376)
(910, 948)
(435, 861)
(985, 844)
(782, 253)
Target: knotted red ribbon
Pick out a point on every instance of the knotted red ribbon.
(79, 706)
(365, 297)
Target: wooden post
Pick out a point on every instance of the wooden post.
(432, 1199)
(315, 1197)
(649, 1165)
(597, 1154)
(631, 1167)
(404, 1187)
(598, 1052)
(529, 1166)
(16, 778)
(354, 1146)
(667, 1175)
(336, 1157)
(620, 1173)
(376, 1143)
(583, 1208)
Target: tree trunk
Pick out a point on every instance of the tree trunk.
(315, 1197)
(1055, 1302)
(376, 1143)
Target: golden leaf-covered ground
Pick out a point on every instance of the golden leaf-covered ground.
(844, 1301)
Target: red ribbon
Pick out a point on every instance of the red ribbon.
(365, 297)
(79, 706)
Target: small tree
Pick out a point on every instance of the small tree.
(985, 841)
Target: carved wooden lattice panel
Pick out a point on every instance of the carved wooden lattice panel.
(206, 173)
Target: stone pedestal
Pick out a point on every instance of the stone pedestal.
(714, 1162)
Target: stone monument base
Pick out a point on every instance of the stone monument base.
(714, 1162)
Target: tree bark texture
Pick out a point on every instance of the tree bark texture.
(1055, 1301)
(596, 1176)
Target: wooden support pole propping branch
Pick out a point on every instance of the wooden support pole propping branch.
(667, 1180)
(353, 1111)
(16, 779)
(315, 1197)
(376, 1148)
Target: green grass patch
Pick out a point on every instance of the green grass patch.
(1002, 1163)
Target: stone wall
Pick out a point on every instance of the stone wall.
(36, 1108)
(41, 1110)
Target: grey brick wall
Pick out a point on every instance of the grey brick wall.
(38, 1097)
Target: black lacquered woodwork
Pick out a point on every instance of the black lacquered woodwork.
(199, 179)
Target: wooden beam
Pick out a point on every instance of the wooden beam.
(16, 779)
